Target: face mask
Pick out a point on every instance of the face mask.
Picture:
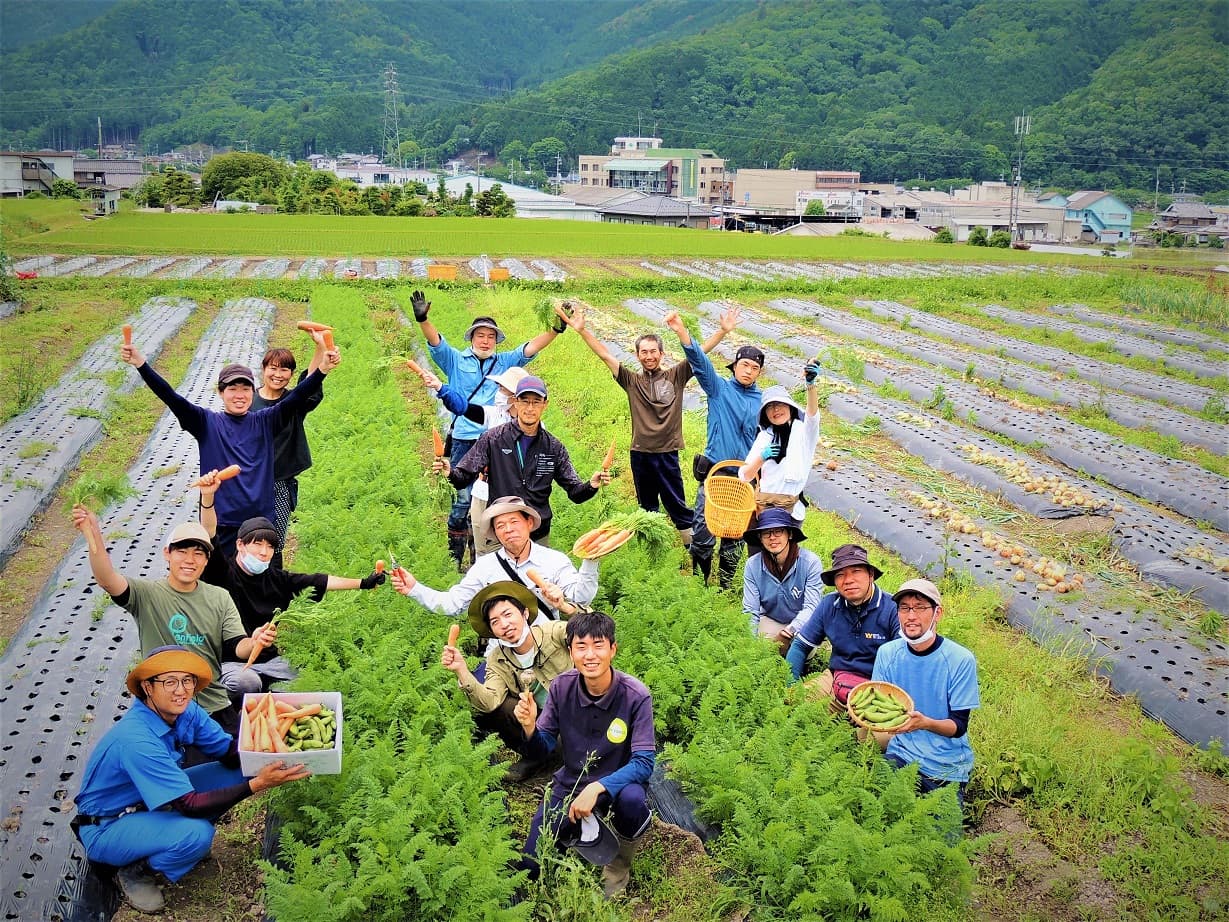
(253, 564)
(926, 637)
(513, 644)
(501, 400)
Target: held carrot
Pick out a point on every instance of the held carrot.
(311, 326)
(257, 649)
(609, 459)
(454, 632)
(414, 367)
(565, 607)
(225, 474)
(127, 329)
(380, 566)
(328, 339)
(437, 443)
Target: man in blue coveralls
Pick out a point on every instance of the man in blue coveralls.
(137, 809)
(469, 373)
(603, 719)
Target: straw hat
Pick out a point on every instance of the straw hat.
(171, 658)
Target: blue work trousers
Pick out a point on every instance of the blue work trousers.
(458, 516)
(173, 843)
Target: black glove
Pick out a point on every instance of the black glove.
(560, 325)
(421, 305)
(370, 582)
(811, 372)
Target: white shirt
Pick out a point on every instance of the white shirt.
(789, 475)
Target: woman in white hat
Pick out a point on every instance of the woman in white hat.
(781, 455)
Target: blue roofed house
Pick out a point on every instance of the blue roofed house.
(1101, 216)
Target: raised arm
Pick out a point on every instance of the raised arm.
(318, 355)
(209, 485)
(577, 323)
(421, 307)
(540, 342)
(675, 323)
(726, 325)
(111, 580)
(191, 417)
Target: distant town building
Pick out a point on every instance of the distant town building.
(122, 174)
(790, 191)
(641, 164)
(1193, 220)
(530, 203)
(1102, 216)
(367, 170)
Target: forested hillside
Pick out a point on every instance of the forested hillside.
(1118, 89)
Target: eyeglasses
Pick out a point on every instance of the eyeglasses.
(914, 609)
(187, 683)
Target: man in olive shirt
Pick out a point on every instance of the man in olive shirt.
(179, 610)
(655, 397)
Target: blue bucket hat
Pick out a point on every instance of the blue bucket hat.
(775, 517)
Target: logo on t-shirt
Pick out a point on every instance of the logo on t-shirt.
(178, 626)
(617, 731)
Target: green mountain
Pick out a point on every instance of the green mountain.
(1117, 89)
(24, 22)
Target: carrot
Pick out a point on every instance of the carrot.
(127, 334)
(437, 442)
(415, 367)
(311, 326)
(225, 474)
(454, 632)
(586, 541)
(257, 649)
(379, 566)
(328, 340)
(282, 708)
(610, 542)
(251, 703)
(245, 733)
(565, 607)
(306, 711)
(609, 459)
(279, 744)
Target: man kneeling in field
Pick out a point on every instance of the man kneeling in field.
(137, 808)
(525, 659)
(603, 720)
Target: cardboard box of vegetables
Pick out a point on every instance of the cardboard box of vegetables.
(292, 727)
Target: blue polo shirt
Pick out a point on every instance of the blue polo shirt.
(856, 632)
(940, 680)
(733, 409)
(598, 735)
(466, 374)
(137, 761)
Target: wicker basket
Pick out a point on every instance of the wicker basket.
(728, 502)
(887, 688)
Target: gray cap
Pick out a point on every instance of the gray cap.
(923, 587)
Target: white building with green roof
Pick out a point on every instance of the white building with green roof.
(643, 165)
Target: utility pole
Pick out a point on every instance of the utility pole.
(558, 174)
(100, 137)
(1156, 192)
(390, 147)
(1024, 125)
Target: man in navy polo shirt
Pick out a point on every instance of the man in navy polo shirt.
(857, 620)
(137, 808)
(603, 719)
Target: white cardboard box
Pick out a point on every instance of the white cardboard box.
(318, 761)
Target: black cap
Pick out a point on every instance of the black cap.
(747, 352)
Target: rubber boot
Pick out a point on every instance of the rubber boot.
(616, 874)
(458, 541)
(702, 565)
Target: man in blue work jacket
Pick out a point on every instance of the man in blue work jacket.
(469, 373)
(137, 809)
(733, 421)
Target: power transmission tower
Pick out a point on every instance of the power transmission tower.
(1024, 125)
(390, 149)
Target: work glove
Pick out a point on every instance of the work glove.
(771, 451)
(370, 582)
(560, 324)
(811, 372)
(421, 305)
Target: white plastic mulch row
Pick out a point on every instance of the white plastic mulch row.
(518, 270)
(418, 267)
(108, 266)
(33, 263)
(68, 266)
(386, 269)
(349, 267)
(313, 268)
(189, 268)
(550, 271)
(271, 268)
(148, 267)
(227, 269)
(481, 266)
(663, 272)
(44, 443)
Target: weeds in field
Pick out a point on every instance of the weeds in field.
(34, 449)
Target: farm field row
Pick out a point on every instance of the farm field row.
(360, 510)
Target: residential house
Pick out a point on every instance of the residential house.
(122, 174)
(22, 172)
(642, 164)
(657, 210)
(530, 203)
(1193, 220)
(1102, 216)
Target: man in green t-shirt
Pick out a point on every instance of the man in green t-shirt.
(179, 610)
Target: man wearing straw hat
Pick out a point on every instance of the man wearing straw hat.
(733, 414)
(526, 658)
(468, 372)
(941, 677)
(857, 620)
(137, 808)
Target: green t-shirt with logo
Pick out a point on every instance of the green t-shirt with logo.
(199, 621)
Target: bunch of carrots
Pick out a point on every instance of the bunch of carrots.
(268, 722)
(600, 541)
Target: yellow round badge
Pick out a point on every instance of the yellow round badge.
(617, 731)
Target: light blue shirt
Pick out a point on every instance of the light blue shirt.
(466, 374)
(941, 680)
